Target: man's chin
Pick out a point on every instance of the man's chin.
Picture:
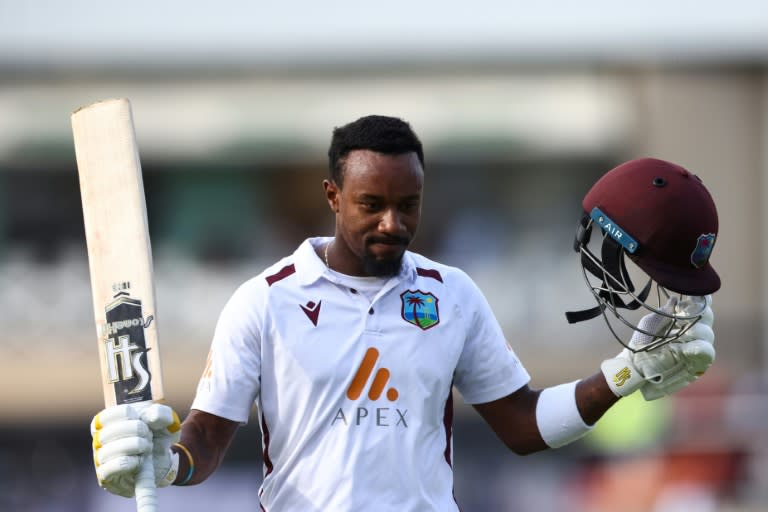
(382, 267)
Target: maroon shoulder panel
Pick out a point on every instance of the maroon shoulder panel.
(428, 272)
(282, 274)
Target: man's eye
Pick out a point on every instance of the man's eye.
(369, 205)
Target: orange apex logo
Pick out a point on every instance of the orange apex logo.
(379, 380)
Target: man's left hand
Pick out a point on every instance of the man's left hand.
(670, 367)
(685, 359)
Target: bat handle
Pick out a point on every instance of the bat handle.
(146, 492)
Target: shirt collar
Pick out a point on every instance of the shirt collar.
(310, 267)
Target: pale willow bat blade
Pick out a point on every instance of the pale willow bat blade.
(120, 262)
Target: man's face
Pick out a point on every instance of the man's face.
(377, 211)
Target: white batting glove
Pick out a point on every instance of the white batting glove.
(124, 434)
(623, 374)
(693, 352)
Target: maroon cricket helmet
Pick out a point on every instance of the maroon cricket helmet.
(668, 217)
(660, 216)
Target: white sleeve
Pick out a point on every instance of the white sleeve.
(488, 368)
(231, 380)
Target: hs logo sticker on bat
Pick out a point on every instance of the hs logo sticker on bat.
(126, 350)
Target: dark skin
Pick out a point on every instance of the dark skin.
(377, 213)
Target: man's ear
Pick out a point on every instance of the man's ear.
(332, 195)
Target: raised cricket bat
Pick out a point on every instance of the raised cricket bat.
(120, 262)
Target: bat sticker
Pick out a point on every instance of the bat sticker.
(126, 350)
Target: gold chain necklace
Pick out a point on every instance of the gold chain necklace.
(327, 246)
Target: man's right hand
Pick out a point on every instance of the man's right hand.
(124, 434)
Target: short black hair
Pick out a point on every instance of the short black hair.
(383, 134)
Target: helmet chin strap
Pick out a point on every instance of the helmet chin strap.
(611, 270)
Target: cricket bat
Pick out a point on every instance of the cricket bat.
(120, 263)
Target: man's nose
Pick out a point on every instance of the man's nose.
(391, 222)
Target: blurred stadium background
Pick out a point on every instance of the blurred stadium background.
(521, 106)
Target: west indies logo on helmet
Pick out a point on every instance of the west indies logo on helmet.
(660, 216)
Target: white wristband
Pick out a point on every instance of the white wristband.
(558, 416)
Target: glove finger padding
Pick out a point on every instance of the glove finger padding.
(123, 430)
(697, 354)
(697, 331)
(111, 415)
(124, 434)
(125, 447)
(118, 475)
(160, 417)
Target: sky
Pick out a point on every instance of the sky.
(91, 31)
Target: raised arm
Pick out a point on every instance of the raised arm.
(531, 420)
(514, 417)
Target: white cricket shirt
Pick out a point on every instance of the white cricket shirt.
(354, 393)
